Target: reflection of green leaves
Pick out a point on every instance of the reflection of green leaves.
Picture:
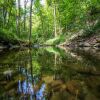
(52, 50)
(36, 68)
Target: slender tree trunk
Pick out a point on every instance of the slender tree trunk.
(2, 17)
(9, 17)
(55, 26)
(25, 3)
(4, 13)
(19, 18)
(16, 16)
(30, 26)
(16, 25)
(42, 23)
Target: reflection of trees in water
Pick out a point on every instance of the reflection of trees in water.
(27, 88)
(8, 74)
(31, 66)
(64, 69)
(91, 58)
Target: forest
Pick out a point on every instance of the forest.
(49, 49)
(48, 22)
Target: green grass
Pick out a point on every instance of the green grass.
(57, 40)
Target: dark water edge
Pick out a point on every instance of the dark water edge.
(50, 74)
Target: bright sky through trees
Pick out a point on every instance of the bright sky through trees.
(43, 2)
(22, 2)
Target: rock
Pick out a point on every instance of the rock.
(14, 47)
(87, 48)
(2, 47)
(75, 87)
(81, 44)
(97, 45)
(86, 44)
(56, 85)
(92, 41)
(72, 87)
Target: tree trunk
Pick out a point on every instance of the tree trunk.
(55, 26)
(4, 12)
(19, 18)
(30, 26)
(25, 3)
(31, 65)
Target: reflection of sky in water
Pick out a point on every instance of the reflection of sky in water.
(24, 72)
(39, 94)
(27, 88)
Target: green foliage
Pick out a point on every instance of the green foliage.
(60, 16)
(36, 68)
(71, 16)
(7, 36)
(56, 40)
(61, 39)
(53, 50)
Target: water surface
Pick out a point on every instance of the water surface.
(50, 74)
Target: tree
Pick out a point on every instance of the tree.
(30, 30)
(25, 4)
(19, 17)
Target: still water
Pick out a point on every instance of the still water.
(50, 74)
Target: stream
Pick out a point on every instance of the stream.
(50, 73)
